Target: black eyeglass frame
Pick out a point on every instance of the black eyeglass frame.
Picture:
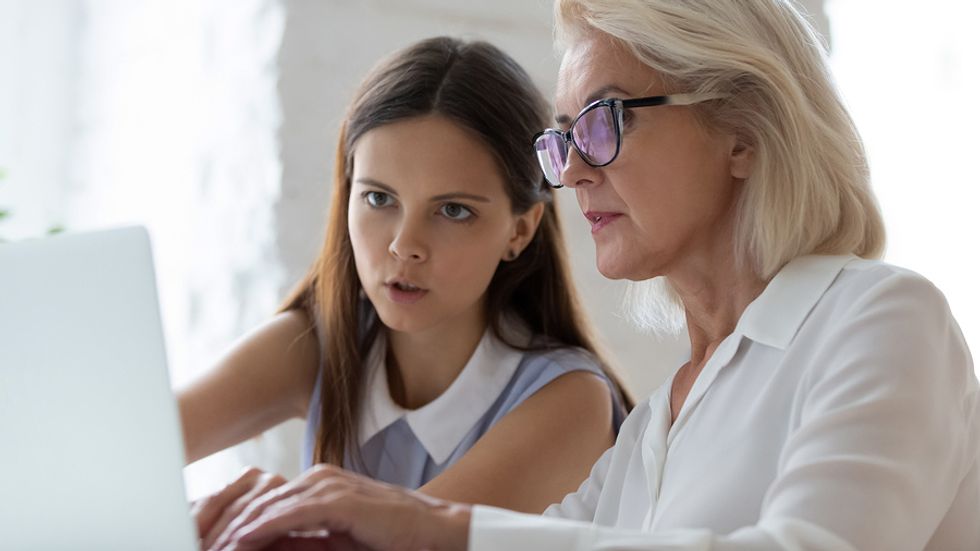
(618, 107)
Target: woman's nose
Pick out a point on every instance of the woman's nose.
(577, 172)
(408, 244)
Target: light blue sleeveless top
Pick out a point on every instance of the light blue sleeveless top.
(411, 447)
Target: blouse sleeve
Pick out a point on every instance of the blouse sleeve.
(581, 504)
(888, 430)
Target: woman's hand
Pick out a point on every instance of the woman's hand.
(357, 512)
(213, 513)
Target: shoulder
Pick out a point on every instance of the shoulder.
(287, 333)
(874, 298)
(864, 284)
(569, 371)
(868, 298)
(562, 359)
(584, 389)
(282, 353)
(540, 367)
(887, 326)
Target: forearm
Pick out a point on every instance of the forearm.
(494, 529)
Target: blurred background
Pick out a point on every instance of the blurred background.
(214, 122)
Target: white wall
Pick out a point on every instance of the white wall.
(163, 114)
(913, 91)
(38, 75)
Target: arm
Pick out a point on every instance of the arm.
(538, 452)
(888, 430)
(265, 379)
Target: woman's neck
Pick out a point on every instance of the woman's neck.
(421, 366)
(715, 292)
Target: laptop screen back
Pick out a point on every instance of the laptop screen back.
(90, 446)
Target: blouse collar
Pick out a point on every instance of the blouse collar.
(441, 424)
(776, 315)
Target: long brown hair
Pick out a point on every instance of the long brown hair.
(481, 88)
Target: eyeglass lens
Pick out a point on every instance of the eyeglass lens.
(552, 154)
(594, 135)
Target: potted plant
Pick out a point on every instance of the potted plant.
(5, 213)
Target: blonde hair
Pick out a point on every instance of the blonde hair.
(809, 191)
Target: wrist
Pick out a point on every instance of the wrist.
(453, 527)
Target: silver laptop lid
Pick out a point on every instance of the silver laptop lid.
(90, 446)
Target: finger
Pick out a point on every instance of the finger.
(206, 511)
(264, 484)
(331, 512)
(257, 506)
(321, 479)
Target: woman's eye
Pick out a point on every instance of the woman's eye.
(377, 199)
(457, 212)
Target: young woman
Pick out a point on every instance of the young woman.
(437, 342)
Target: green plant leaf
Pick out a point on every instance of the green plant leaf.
(54, 230)
(4, 213)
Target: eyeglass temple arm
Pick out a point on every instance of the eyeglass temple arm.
(673, 99)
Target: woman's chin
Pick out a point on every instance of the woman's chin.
(616, 266)
(612, 268)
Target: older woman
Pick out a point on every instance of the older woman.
(829, 401)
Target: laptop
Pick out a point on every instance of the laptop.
(91, 453)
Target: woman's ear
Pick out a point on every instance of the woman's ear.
(741, 158)
(525, 225)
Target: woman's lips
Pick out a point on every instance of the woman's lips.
(600, 220)
(404, 294)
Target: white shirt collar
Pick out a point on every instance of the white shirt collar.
(775, 316)
(441, 424)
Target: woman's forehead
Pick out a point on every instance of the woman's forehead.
(596, 65)
(427, 155)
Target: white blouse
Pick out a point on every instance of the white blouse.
(841, 414)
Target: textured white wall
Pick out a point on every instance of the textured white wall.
(38, 75)
(175, 121)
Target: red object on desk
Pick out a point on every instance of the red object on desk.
(316, 543)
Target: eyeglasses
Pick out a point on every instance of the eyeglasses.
(597, 133)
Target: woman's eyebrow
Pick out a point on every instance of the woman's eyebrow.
(601, 93)
(372, 182)
(437, 198)
(461, 195)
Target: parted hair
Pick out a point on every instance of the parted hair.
(479, 87)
